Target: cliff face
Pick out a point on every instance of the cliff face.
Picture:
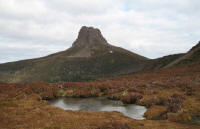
(89, 36)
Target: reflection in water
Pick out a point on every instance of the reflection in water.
(100, 104)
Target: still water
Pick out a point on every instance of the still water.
(100, 104)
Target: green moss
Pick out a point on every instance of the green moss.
(61, 93)
(8, 104)
(52, 127)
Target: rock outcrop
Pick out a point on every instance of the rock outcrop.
(89, 36)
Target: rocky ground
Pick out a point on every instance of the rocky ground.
(171, 95)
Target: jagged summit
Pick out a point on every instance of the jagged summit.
(89, 36)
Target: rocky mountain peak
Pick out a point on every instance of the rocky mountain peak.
(89, 36)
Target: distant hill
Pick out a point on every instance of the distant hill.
(162, 61)
(192, 55)
(90, 57)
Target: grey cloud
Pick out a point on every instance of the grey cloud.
(44, 27)
(15, 54)
(84, 7)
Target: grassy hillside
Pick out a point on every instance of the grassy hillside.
(193, 55)
(104, 61)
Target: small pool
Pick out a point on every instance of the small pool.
(100, 104)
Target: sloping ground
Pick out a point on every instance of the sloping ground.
(191, 56)
(163, 61)
(80, 64)
(104, 61)
(171, 95)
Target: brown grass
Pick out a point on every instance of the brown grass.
(24, 106)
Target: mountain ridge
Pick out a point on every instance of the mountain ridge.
(90, 57)
(192, 55)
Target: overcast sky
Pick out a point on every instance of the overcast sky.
(152, 28)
